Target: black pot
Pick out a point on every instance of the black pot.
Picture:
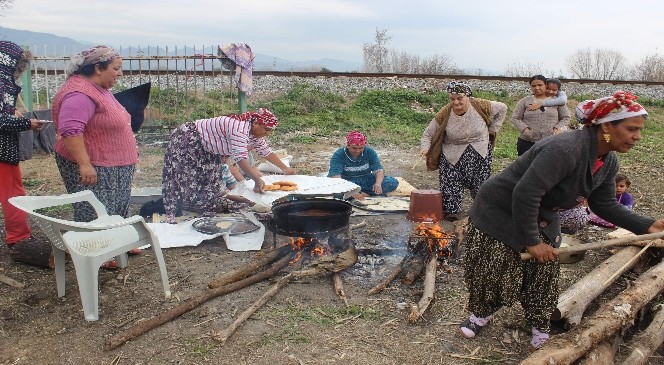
(310, 217)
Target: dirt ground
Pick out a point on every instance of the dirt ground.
(305, 323)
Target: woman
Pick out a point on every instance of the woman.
(517, 211)
(196, 150)
(536, 124)
(360, 164)
(13, 62)
(459, 141)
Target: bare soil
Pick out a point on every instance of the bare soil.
(306, 323)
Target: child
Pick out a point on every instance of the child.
(556, 96)
(623, 197)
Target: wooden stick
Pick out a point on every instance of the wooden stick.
(628, 263)
(145, 326)
(417, 162)
(339, 288)
(417, 310)
(246, 270)
(11, 282)
(646, 343)
(383, 284)
(633, 240)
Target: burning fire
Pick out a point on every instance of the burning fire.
(435, 238)
(316, 247)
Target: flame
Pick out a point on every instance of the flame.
(315, 247)
(436, 238)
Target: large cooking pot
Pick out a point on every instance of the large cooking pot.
(310, 217)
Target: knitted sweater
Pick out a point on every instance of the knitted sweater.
(541, 123)
(555, 174)
(108, 138)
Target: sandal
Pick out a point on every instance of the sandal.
(469, 329)
(109, 265)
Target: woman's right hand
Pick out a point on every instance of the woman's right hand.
(88, 174)
(424, 151)
(36, 125)
(542, 252)
(258, 186)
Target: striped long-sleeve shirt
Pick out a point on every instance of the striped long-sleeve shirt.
(230, 137)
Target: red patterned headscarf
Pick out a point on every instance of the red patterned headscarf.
(619, 106)
(262, 116)
(356, 138)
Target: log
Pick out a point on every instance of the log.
(145, 326)
(417, 310)
(604, 354)
(413, 270)
(339, 287)
(647, 342)
(250, 268)
(383, 284)
(604, 323)
(631, 240)
(574, 301)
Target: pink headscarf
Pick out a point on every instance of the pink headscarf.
(619, 106)
(262, 116)
(356, 138)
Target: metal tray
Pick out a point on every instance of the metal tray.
(208, 225)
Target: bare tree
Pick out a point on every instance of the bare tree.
(650, 68)
(599, 64)
(5, 4)
(517, 69)
(375, 54)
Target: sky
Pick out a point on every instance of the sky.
(489, 35)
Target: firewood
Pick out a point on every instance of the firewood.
(383, 284)
(647, 342)
(145, 326)
(11, 282)
(632, 240)
(574, 301)
(604, 323)
(246, 270)
(413, 269)
(339, 288)
(603, 354)
(417, 310)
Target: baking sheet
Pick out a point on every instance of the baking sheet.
(236, 225)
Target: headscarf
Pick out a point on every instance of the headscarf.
(262, 116)
(92, 56)
(458, 87)
(619, 106)
(10, 54)
(356, 138)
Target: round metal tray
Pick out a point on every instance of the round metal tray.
(208, 225)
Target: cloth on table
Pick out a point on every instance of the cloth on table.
(307, 185)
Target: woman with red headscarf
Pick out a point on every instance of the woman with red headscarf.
(359, 163)
(196, 150)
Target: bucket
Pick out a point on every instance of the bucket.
(425, 206)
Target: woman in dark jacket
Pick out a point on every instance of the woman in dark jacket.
(517, 211)
(13, 62)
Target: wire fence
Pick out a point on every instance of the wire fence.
(188, 83)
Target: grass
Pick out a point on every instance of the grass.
(196, 349)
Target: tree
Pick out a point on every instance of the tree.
(5, 4)
(526, 70)
(650, 68)
(598, 64)
(375, 54)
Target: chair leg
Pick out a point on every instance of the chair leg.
(122, 260)
(60, 263)
(87, 274)
(162, 269)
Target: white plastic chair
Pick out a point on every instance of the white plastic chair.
(90, 244)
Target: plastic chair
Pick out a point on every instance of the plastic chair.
(90, 243)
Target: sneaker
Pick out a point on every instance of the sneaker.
(469, 329)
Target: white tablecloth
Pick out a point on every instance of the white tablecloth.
(307, 185)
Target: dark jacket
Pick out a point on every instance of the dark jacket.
(556, 173)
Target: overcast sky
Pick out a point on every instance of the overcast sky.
(476, 34)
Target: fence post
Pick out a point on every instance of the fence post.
(242, 101)
(26, 86)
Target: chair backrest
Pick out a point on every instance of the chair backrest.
(50, 226)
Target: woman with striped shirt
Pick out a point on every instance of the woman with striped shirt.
(196, 150)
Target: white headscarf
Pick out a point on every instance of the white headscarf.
(94, 55)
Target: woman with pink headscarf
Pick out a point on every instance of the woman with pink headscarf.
(360, 164)
(196, 150)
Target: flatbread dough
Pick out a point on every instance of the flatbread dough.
(224, 225)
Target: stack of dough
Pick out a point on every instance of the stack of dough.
(281, 185)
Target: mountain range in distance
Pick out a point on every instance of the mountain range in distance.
(51, 44)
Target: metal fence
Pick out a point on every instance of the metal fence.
(188, 83)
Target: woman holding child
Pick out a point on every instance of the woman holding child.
(517, 211)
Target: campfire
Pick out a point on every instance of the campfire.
(430, 238)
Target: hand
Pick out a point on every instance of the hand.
(424, 151)
(358, 196)
(377, 188)
(556, 131)
(543, 252)
(36, 125)
(258, 186)
(289, 171)
(534, 106)
(88, 174)
(658, 226)
(527, 132)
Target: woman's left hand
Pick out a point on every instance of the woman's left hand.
(378, 189)
(289, 171)
(658, 226)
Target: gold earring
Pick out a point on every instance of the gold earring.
(607, 137)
